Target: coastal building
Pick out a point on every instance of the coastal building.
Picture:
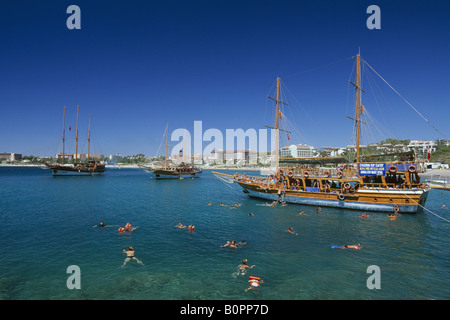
(115, 157)
(332, 151)
(422, 146)
(240, 156)
(297, 151)
(10, 156)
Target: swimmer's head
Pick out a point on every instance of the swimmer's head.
(130, 248)
(244, 261)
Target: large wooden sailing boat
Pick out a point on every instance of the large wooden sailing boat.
(77, 168)
(180, 171)
(373, 186)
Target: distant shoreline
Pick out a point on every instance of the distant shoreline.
(428, 174)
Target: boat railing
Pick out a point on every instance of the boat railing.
(393, 185)
(331, 173)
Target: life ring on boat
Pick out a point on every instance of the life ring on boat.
(290, 174)
(339, 174)
(412, 169)
(341, 196)
(392, 169)
(306, 174)
(327, 174)
(347, 185)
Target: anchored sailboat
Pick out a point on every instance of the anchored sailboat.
(181, 171)
(88, 167)
(373, 186)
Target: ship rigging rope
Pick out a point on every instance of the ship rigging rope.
(426, 208)
(225, 181)
(428, 121)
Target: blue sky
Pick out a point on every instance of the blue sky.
(137, 65)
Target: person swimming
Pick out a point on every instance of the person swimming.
(242, 269)
(351, 246)
(244, 266)
(127, 227)
(233, 244)
(101, 224)
(255, 282)
(180, 225)
(130, 256)
(291, 231)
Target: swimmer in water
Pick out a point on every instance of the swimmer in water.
(364, 215)
(128, 227)
(302, 214)
(392, 216)
(130, 256)
(254, 283)
(101, 224)
(244, 266)
(291, 231)
(352, 246)
(180, 225)
(233, 244)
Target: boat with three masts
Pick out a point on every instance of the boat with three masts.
(181, 171)
(393, 186)
(77, 168)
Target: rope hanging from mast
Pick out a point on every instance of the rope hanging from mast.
(428, 121)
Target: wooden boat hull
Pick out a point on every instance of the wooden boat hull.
(69, 170)
(56, 172)
(171, 174)
(366, 200)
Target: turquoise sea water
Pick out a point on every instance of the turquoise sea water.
(47, 224)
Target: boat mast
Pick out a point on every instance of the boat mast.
(358, 106)
(89, 137)
(167, 140)
(76, 137)
(64, 135)
(277, 127)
